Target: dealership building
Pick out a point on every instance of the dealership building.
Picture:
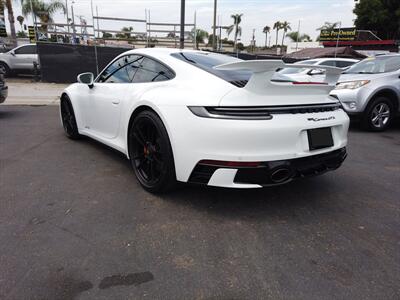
(364, 41)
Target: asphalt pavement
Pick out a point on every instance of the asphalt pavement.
(75, 224)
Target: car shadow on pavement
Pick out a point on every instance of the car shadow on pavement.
(288, 199)
(6, 114)
(308, 195)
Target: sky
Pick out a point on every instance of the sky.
(256, 14)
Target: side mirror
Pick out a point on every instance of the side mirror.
(12, 53)
(316, 72)
(86, 78)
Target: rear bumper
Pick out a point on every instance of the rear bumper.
(268, 173)
(284, 137)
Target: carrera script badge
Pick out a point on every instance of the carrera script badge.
(321, 119)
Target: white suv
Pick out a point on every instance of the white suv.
(18, 60)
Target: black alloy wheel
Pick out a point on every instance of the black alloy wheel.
(68, 119)
(151, 154)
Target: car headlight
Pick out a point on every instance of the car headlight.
(351, 85)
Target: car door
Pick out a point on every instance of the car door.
(105, 99)
(24, 57)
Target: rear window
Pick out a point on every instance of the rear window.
(375, 65)
(286, 71)
(207, 61)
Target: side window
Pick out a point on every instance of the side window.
(151, 71)
(28, 49)
(344, 64)
(122, 70)
(331, 63)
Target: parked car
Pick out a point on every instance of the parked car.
(370, 90)
(207, 118)
(3, 88)
(315, 74)
(18, 60)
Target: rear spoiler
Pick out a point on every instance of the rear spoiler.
(263, 71)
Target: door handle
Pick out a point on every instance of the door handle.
(115, 102)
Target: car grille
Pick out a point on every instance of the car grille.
(264, 111)
(304, 109)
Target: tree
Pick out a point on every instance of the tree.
(277, 27)
(237, 18)
(210, 39)
(43, 10)
(329, 26)
(228, 42)
(106, 35)
(266, 30)
(11, 20)
(294, 37)
(240, 46)
(20, 20)
(22, 34)
(201, 35)
(381, 16)
(126, 33)
(171, 35)
(285, 26)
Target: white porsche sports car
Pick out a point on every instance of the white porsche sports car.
(200, 117)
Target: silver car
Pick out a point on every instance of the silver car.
(315, 75)
(370, 90)
(18, 60)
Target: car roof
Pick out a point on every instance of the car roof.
(158, 51)
(387, 54)
(336, 58)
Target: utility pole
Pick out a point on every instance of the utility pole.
(298, 36)
(66, 11)
(214, 44)
(94, 38)
(73, 24)
(182, 33)
(253, 42)
(338, 37)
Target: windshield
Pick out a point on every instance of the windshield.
(375, 65)
(207, 60)
(297, 70)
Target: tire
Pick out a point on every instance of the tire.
(378, 115)
(68, 119)
(151, 154)
(5, 69)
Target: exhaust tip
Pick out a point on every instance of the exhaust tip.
(281, 175)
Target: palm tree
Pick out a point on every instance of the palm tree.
(295, 37)
(285, 26)
(305, 38)
(127, 32)
(266, 30)
(20, 20)
(329, 26)
(201, 35)
(11, 19)
(237, 18)
(42, 10)
(277, 26)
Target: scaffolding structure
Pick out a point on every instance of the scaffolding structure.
(153, 33)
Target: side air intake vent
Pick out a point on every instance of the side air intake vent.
(239, 83)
